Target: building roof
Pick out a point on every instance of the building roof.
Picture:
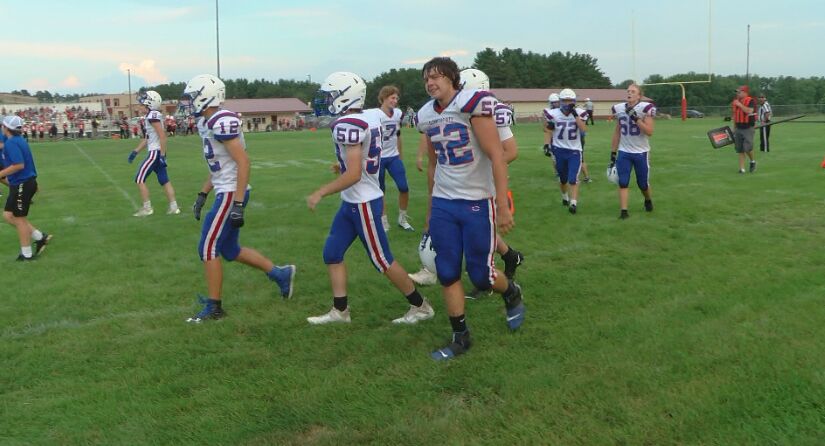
(271, 105)
(541, 94)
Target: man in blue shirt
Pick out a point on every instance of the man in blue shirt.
(20, 174)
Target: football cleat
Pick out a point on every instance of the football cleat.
(649, 205)
(753, 166)
(22, 258)
(458, 345)
(478, 294)
(424, 277)
(572, 208)
(173, 211)
(284, 276)
(40, 245)
(624, 215)
(210, 311)
(565, 202)
(402, 221)
(515, 315)
(416, 314)
(332, 316)
(144, 212)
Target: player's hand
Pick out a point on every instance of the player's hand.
(236, 214)
(335, 168)
(548, 151)
(631, 113)
(199, 202)
(313, 200)
(504, 219)
(612, 157)
(162, 160)
(132, 156)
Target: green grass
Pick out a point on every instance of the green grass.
(700, 323)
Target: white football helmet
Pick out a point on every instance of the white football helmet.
(554, 100)
(202, 92)
(612, 174)
(13, 122)
(150, 99)
(340, 92)
(427, 254)
(472, 79)
(567, 94)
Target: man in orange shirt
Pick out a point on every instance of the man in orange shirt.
(744, 121)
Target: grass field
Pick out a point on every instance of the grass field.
(701, 323)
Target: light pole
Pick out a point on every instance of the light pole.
(309, 78)
(129, 74)
(218, 38)
(748, 59)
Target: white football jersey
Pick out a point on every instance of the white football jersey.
(503, 115)
(222, 126)
(463, 170)
(152, 137)
(566, 134)
(363, 129)
(631, 138)
(391, 129)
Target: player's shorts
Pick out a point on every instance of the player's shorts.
(395, 166)
(636, 161)
(218, 236)
(743, 139)
(152, 164)
(464, 229)
(568, 164)
(362, 220)
(20, 197)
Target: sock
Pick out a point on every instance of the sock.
(37, 235)
(565, 197)
(458, 323)
(147, 204)
(173, 204)
(511, 299)
(573, 202)
(26, 251)
(215, 302)
(340, 303)
(402, 213)
(415, 298)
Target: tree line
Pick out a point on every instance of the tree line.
(515, 68)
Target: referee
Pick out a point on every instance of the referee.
(765, 115)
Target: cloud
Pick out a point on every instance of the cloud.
(71, 82)
(37, 84)
(446, 53)
(146, 70)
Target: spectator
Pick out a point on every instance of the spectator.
(765, 115)
(65, 130)
(588, 107)
(53, 131)
(95, 125)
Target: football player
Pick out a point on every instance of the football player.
(155, 160)
(567, 123)
(630, 145)
(357, 139)
(20, 174)
(224, 149)
(392, 156)
(466, 167)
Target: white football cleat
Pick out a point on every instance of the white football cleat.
(144, 212)
(385, 223)
(333, 316)
(402, 221)
(424, 277)
(173, 211)
(415, 314)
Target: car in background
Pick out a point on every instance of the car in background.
(694, 114)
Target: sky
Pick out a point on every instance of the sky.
(91, 45)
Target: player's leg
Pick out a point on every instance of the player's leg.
(163, 180)
(215, 225)
(562, 159)
(342, 233)
(574, 164)
(446, 235)
(748, 148)
(641, 166)
(623, 166)
(145, 168)
(399, 176)
(372, 236)
(512, 258)
(382, 183)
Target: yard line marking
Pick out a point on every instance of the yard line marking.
(105, 174)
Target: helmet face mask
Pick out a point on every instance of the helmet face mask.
(340, 92)
(612, 174)
(202, 92)
(473, 79)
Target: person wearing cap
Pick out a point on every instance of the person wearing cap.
(20, 174)
(744, 120)
(765, 115)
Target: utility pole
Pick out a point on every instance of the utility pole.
(218, 37)
(129, 74)
(748, 58)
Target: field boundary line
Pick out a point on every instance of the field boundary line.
(106, 174)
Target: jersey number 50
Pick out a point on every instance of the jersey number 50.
(454, 152)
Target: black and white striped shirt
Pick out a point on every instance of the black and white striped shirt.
(765, 112)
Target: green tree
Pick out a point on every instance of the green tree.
(408, 80)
